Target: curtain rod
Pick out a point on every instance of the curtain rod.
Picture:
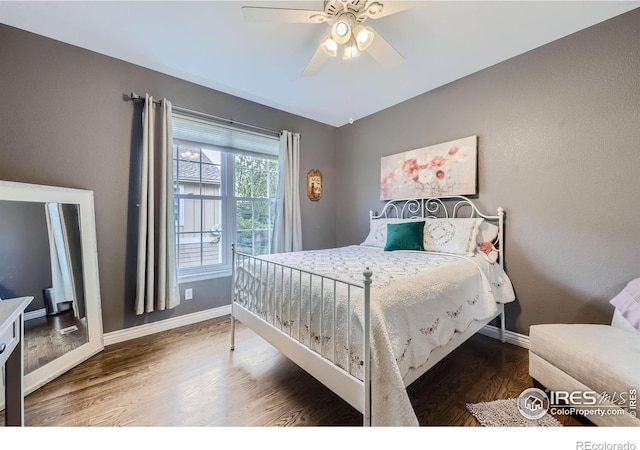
(134, 96)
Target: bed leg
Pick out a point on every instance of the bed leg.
(233, 333)
(502, 326)
(366, 417)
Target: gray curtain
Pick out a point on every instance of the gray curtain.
(157, 273)
(287, 233)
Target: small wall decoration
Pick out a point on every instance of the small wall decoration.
(449, 168)
(314, 185)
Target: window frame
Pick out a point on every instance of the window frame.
(228, 199)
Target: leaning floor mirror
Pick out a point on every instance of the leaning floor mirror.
(48, 251)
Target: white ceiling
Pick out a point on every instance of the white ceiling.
(210, 43)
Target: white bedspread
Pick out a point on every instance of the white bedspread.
(418, 301)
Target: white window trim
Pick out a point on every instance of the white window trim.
(203, 276)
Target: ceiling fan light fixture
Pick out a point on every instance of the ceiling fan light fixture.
(345, 20)
(342, 28)
(329, 46)
(341, 31)
(351, 50)
(364, 37)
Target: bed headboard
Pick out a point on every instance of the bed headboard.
(453, 206)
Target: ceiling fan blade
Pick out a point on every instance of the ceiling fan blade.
(388, 8)
(282, 15)
(316, 62)
(384, 53)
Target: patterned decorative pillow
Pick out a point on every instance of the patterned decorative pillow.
(487, 232)
(488, 251)
(487, 235)
(458, 236)
(378, 231)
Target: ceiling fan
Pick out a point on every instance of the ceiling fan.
(346, 19)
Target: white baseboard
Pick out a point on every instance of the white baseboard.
(511, 337)
(35, 314)
(115, 337)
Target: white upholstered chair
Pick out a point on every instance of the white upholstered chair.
(589, 357)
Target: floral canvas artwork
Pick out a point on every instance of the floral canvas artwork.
(442, 169)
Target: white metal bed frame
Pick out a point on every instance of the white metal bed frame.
(352, 389)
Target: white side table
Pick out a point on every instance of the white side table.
(12, 357)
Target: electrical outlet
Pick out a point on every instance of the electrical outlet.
(188, 294)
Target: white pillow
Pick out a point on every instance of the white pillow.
(377, 236)
(451, 235)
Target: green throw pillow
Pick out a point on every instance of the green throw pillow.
(405, 236)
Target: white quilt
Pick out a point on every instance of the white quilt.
(418, 301)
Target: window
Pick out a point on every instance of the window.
(226, 182)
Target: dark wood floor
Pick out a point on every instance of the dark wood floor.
(44, 340)
(188, 377)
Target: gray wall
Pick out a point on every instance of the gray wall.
(559, 150)
(63, 122)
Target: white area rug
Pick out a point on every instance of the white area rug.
(504, 413)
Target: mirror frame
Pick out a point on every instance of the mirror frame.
(14, 191)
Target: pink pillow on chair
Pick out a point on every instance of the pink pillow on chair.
(628, 303)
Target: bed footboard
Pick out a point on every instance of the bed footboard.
(321, 323)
